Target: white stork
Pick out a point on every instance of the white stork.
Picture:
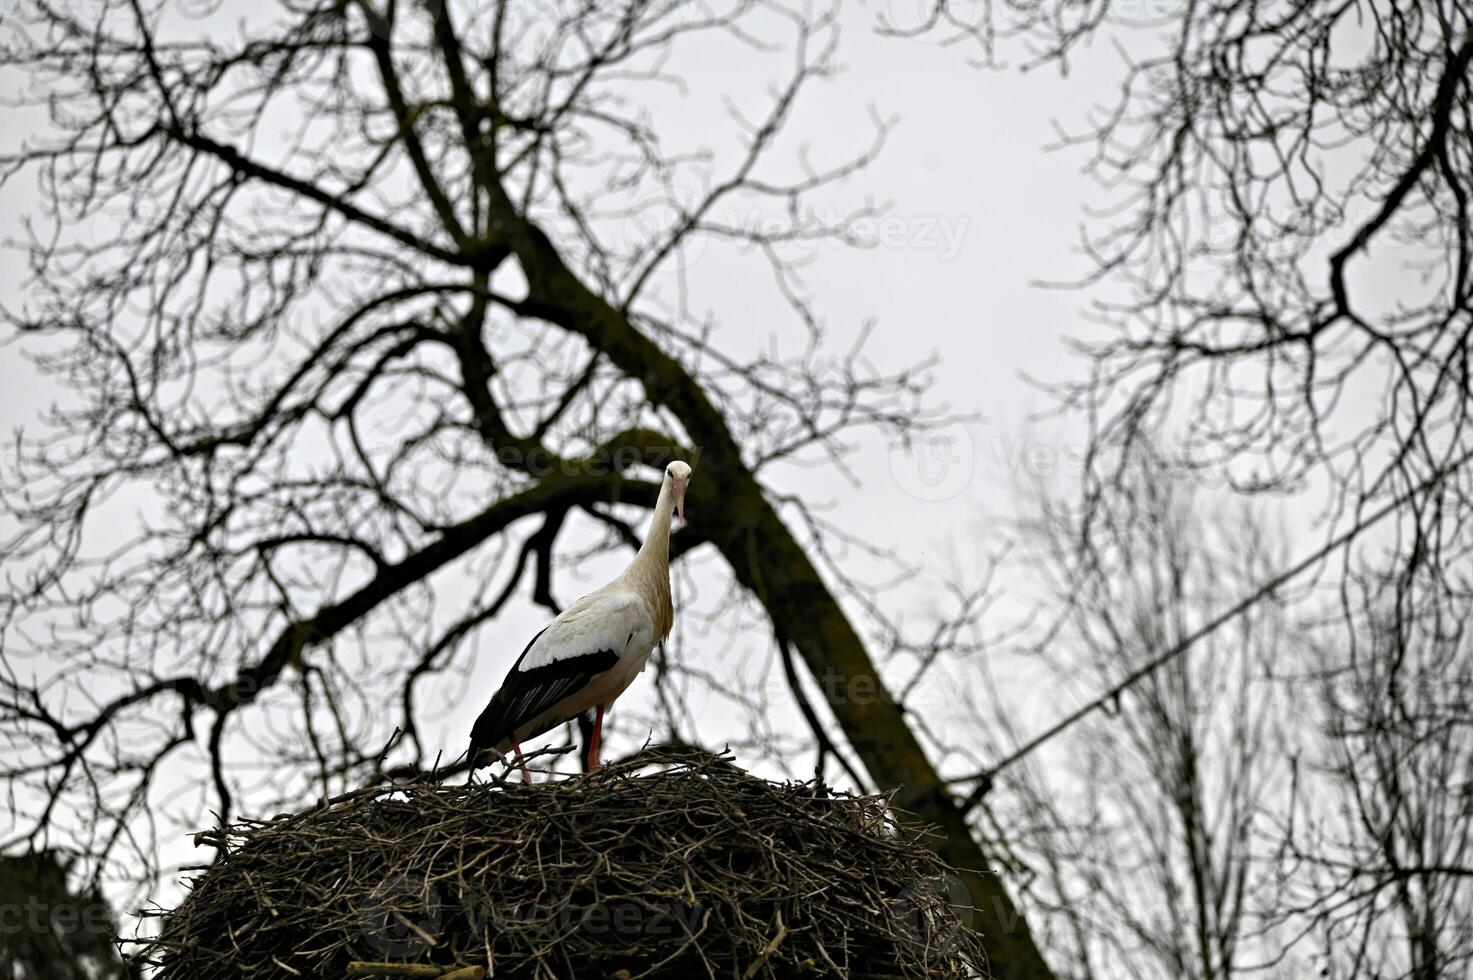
(589, 654)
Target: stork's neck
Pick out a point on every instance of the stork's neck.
(649, 573)
(655, 551)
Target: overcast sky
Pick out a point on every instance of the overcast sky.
(975, 212)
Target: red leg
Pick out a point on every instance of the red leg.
(598, 730)
(517, 748)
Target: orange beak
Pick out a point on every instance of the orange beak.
(679, 487)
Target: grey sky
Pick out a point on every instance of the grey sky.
(975, 211)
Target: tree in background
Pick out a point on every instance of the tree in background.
(355, 302)
(1139, 828)
(1294, 248)
(1287, 796)
(1378, 856)
(1288, 261)
(1283, 272)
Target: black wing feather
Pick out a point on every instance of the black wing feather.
(525, 694)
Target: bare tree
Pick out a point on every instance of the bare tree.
(1286, 796)
(1379, 853)
(361, 307)
(1286, 269)
(1281, 272)
(1142, 823)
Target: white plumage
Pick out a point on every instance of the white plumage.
(586, 657)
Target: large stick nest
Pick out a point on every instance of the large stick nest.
(675, 865)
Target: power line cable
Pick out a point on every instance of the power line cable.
(986, 777)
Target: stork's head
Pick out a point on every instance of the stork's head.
(677, 475)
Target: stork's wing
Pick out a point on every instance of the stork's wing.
(583, 642)
(526, 694)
